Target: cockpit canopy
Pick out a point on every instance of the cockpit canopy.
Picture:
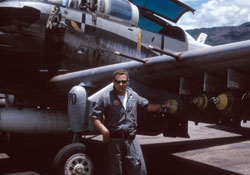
(169, 9)
(150, 15)
(120, 10)
(155, 14)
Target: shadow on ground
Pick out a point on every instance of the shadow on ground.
(158, 157)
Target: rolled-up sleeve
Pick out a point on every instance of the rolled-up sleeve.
(98, 109)
(142, 102)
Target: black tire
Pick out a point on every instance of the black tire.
(72, 159)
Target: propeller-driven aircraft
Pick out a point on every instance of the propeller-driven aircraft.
(57, 57)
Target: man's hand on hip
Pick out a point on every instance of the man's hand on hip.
(106, 137)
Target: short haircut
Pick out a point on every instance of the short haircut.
(120, 72)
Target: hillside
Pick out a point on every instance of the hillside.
(223, 35)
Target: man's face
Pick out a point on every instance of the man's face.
(120, 83)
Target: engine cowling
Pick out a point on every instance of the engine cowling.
(78, 110)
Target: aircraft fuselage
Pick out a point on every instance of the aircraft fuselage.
(79, 40)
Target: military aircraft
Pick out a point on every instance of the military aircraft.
(57, 57)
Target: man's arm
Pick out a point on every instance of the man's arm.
(143, 102)
(153, 107)
(102, 129)
(96, 117)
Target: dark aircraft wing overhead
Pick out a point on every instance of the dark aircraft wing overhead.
(169, 9)
(164, 72)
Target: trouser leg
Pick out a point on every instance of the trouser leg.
(114, 156)
(135, 164)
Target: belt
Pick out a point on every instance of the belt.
(123, 135)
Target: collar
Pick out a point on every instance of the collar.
(129, 91)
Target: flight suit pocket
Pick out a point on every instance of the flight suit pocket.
(130, 105)
(133, 164)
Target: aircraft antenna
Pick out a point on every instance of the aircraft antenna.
(164, 52)
(130, 57)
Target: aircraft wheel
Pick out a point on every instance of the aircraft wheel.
(72, 159)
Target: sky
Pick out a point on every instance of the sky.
(215, 13)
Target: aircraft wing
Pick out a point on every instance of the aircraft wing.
(226, 65)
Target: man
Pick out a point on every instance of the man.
(119, 108)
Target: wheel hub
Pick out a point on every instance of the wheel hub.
(79, 168)
(78, 164)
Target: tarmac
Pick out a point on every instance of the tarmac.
(211, 150)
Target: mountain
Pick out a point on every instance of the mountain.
(223, 35)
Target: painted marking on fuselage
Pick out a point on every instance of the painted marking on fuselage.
(139, 43)
(83, 18)
(83, 22)
(76, 26)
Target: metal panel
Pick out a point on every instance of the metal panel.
(212, 83)
(236, 80)
(187, 86)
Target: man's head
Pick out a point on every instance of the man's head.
(120, 80)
